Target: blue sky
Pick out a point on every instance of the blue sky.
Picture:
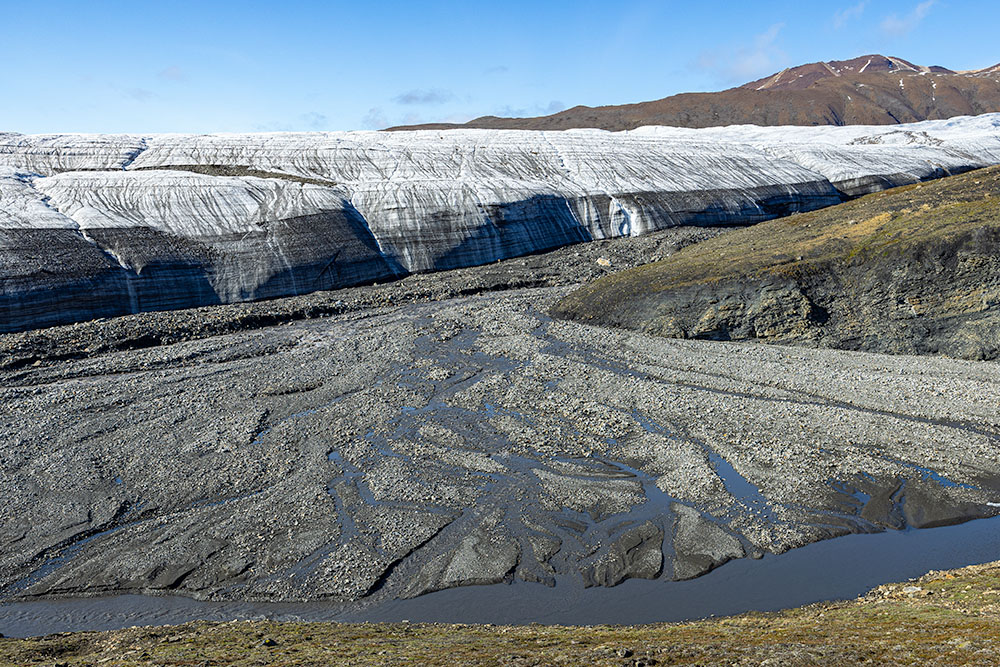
(250, 66)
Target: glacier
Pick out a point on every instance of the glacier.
(102, 225)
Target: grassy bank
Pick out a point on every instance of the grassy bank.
(944, 618)
(866, 228)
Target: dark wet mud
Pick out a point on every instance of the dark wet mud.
(392, 453)
(834, 569)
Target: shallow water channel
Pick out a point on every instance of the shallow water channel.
(834, 569)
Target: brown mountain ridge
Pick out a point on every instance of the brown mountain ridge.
(869, 90)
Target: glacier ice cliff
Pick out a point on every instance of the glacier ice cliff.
(102, 225)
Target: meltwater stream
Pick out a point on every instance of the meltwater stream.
(834, 569)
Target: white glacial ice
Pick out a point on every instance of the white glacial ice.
(182, 203)
(128, 218)
(49, 154)
(21, 206)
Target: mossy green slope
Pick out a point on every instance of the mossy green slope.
(910, 270)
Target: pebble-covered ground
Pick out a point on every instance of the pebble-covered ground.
(570, 265)
(406, 449)
(387, 441)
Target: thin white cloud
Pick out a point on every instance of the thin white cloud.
(848, 14)
(742, 64)
(765, 39)
(311, 121)
(172, 73)
(421, 97)
(378, 118)
(314, 120)
(554, 106)
(896, 25)
(375, 119)
(138, 94)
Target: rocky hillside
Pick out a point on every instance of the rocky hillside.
(869, 90)
(915, 270)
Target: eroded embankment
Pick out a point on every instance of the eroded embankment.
(565, 266)
(914, 270)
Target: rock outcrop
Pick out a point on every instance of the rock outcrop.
(912, 271)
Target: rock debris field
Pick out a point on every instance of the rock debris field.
(390, 450)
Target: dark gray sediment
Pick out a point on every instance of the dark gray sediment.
(828, 570)
(441, 433)
(387, 453)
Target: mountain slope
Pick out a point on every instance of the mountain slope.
(870, 90)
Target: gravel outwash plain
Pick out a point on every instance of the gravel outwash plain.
(414, 439)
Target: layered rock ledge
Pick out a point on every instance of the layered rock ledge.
(911, 271)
